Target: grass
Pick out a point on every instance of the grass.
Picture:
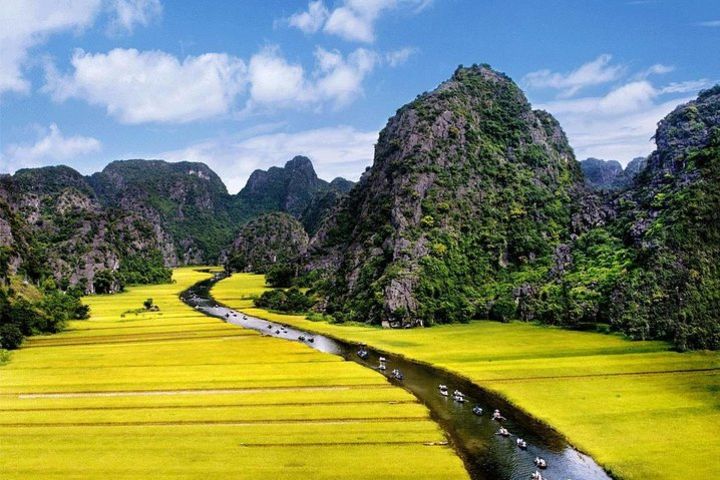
(640, 409)
(176, 394)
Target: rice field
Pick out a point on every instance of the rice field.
(640, 409)
(176, 394)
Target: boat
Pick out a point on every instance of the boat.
(382, 360)
(382, 367)
(397, 374)
(477, 410)
(362, 353)
(311, 339)
(536, 476)
(522, 444)
(540, 462)
(503, 432)
(498, 416)
(443, 390)
(459, 398)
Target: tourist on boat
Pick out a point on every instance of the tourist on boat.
(443, 390)
(397, 374)
(503, 432)
(536, 476)
(382, 367)
(497, 415)
(521, 443)
(540, 462)
(382, 359)
(477, 410)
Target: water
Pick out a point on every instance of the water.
(487, 456)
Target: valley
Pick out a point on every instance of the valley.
(175, 393)
(631, 405)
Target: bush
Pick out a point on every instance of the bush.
(10, 336)
(280, 275)
(290, 301)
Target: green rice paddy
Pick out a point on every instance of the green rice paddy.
(640, 409)
(176, 394)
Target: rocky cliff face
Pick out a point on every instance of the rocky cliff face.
(67, 234)
(266, 241)
(609, 174)
(670, 221)
(187, 200)
(467, 182)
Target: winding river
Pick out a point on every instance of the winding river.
(487, 456)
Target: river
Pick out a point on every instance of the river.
(487, 456)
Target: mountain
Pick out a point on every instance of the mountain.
(64, 232)
(273, 238)
(475, 207)
(469, 185)
(185, 199)
(133, 219)
(670, 222)
(294, 189)
(609, 174)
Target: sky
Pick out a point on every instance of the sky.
(241, 85)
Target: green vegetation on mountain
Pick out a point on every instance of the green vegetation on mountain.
(475, 208)
(273, 239)
(57, 228)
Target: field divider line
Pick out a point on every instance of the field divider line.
(186, 407)
(600, 375)
(200, 391)
(427, 443)
(144, 340)
(179, 423)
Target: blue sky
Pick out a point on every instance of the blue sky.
(246, 85)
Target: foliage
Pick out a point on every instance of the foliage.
(280, 275)
(290, 301)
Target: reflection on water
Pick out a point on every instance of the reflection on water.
(487, 456)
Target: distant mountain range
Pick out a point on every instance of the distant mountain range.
(609, 174)
(135, 218)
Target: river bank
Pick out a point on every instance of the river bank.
(631, 405)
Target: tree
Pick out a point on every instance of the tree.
(10, 336)
(280, 275)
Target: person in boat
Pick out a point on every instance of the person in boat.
(477, 410)
(536, 476)
(540, 462)
(497, 415)
(502, 431)
(521, 443)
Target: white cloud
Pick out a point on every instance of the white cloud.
(26, 24)
(53, 147)
(352, 20)
(312, 20)
(620, 124)
(400, 56)
(128, 13)
(334, 151)
(152, 86)
(711, 23)
(336, 79)
(596, 72)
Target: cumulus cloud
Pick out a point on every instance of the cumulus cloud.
(312, 20)
(52, 147)
(126, 14)
(26, 24)
(595, 72)
(151, 86)
(620, 124)
(335, 151)
(352, 20)
(400, 56)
